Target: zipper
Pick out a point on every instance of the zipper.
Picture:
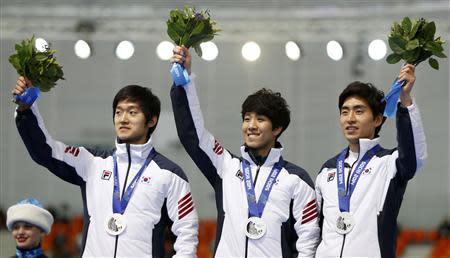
(123, 191)
(246, 237)
(346, 191)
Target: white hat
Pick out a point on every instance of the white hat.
(31, 211)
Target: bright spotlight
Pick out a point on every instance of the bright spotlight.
(164, 50)
(82, 49)
(334, 50)
(41, 45)
(209, 51)
(377, 49)
(124, 50)
(292, 50)
(251, 51)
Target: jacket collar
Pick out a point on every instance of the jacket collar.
(367, 144)
(272, 158)
(138, 151)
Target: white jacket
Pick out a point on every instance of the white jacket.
(162, 194)
(290, 212)
(376, 200)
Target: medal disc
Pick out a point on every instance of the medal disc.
(255, 228)
(344, 223)
(116, 224)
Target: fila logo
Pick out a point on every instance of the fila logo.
(106, 175)
(217, 148)
(331, 176)
(145, 179)
(72, 150)
(240, 175)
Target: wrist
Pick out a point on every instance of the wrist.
(406, 100)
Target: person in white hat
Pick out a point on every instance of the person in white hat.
(28, 222)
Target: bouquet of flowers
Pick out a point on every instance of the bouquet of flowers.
(413, 41)
(38, 66)
(190, 28)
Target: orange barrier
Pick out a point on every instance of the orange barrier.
(66, 234)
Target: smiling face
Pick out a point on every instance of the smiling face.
(258, 133)
(357, 121)
(130, 123)
(26, 235)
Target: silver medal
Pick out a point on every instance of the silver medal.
(255, 228)
(345, 223)
(116, 224)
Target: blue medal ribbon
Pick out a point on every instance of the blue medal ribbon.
(29, 96)
(179, 75)
(343, 193)
(29, 253)
(392, 98)
(256, 208)
(119, 205)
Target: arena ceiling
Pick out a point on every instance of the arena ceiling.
(275, 20)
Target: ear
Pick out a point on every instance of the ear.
(276, 131)
(153, 121)
(378, 120)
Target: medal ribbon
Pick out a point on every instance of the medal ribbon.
(345, 194)
(119, 205)
(29, 253)
(392, 98)
(256, 208)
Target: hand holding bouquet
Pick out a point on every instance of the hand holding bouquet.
(189, 28)
(412, 41)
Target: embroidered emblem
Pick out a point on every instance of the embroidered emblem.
(106, 175)
(145, 179)
(331, 176)
(240, 175)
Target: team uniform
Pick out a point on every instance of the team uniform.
(290, 213)
(377, 197)
(161, 193)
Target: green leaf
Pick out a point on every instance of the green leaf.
(440, 54)
(393, 58)
(433, 47)
(397, 44)
(198, 29)
(198, 50)
(411, 56)
(415, 27)
(413, 44)
(406, 24)
(173, 34)
(433, 63)
(429, 30)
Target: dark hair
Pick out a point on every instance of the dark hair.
(147, 101)
(368, 92)
(271, 104)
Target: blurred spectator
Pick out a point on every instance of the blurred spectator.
(444, 228)
(29, 222)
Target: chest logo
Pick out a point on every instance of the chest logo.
(145, 179)
(106, 175)
(331, 176)
(368, 171)
(240, 175)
